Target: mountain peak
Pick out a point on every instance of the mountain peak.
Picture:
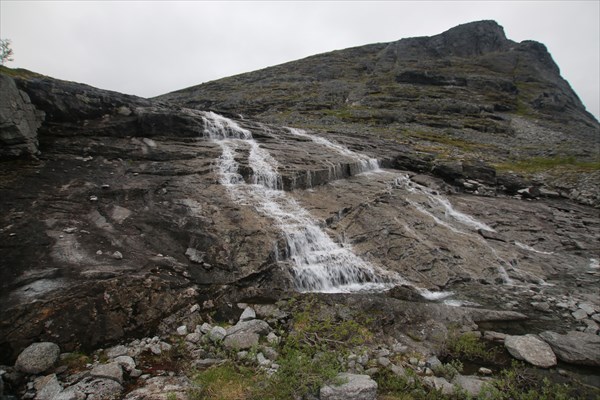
(466, 40)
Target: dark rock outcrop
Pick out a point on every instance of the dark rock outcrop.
(19, 121)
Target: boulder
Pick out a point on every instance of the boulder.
(469, 383)
(217, 333)
(248, 314)
(531, 349)
(47, 387)
(245, 334)
(575, 347)
(116, 351)
(126, 362)
(440, 384)
(38, 358)
(111, 370)
(353, 387)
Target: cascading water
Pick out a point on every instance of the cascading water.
(449, 218)
(362, 164)
(319, 264)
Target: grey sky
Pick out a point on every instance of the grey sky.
(152, 47)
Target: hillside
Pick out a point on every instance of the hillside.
(414, 216)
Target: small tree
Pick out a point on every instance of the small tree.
(5, 51)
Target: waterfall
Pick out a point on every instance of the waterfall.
(318, 263)
(450, 218)
(362, 162)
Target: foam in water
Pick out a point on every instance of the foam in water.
(218, 127)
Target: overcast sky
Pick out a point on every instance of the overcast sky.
(149, 48)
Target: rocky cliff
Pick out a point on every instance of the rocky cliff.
(412, 171)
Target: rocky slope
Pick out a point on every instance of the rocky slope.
(118, 212)
(465, 94)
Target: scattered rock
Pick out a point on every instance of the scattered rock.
(111, 370)
(494, 336)
(438, 383)
(95, 389)
(354, 387)
(532, 349)
(589, 309)
(193, 337)
(248, 314)
(182, 330)
(38, 358)
(117, 255)
(579, 314)
(245, 334)
(273, 339)
(47, 387)
(217, 333)
(471, 384)
(126, 362)
(117, 351)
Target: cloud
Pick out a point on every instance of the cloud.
(150, 48)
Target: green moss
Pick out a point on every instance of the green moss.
(539, 164)
(18, 72)
(447, 140)
(76, 362)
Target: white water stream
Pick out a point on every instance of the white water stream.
(319, 264)
(450, 218)
(363, 163)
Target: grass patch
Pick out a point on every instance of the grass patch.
(224, 382)
(446, 140)
(518, 383)
(18, 72)
(312, 352)
(468, 346)
(76, 362)
(539, 164)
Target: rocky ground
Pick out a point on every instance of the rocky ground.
(343, 335)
